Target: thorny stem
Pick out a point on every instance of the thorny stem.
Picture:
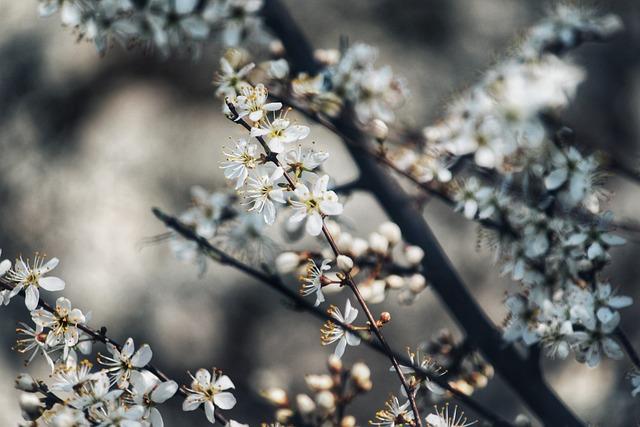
(101, 336)
(272, 157)
(276, 283)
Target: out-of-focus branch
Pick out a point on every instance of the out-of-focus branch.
(511, 366)
(275, 283)
(101, 336)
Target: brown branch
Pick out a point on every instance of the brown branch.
(513, 367)
(275, 283)
(373, 325)
(101, 336)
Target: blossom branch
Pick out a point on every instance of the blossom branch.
(508, 362)
(272, 157)
(101, 336)
(276, 284)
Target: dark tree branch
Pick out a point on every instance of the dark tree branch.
(275, 283)
(481, 332)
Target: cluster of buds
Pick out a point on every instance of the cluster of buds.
(465, 369)
(380, 264)
(329, 395)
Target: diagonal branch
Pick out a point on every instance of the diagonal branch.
(512, 367)
(275, 283)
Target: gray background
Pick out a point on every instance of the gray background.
(90, 144)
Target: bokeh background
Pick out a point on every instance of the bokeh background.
(89, 144)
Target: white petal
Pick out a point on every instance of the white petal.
(50, 265)
(224, 400)
(51, 283)
(342, 344)
(191, 402)
(31, 297)
(329, 207)
(164, 391)
(185, 6)
(203, 377)
(142, 356)
(5, 265)
(555, 179)
(209, 411)
(224, 383)
(127, 348)
(314, 224)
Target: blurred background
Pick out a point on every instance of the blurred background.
(90, 144)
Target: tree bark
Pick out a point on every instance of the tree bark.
(520, 373)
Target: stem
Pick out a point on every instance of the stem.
(276, 284)
(628, 347)
(512, 367)
(376, 330)
(101, 336)
(272, 157)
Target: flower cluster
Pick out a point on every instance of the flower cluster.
(166, 25)
(564, 304)
(329, 395)
(379, 264)
(125, 391)
(400, 415)
(460, 365)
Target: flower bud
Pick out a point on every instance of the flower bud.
(360, 373)
(379, 243)
(327, 56)
(344, 263)
(414, 254)
(25, 382)
(276, 396)
(236, 57)
(333, 227)
(287, 262)
(344, 241)
(522, 421)
(30, 405)
(359, 247)
(417, 283)
(284, 415)
(276, 47)
(348, 421)
(305, 404)
(391, 231)
(378, 129)
(326, 400)
(385, 317)
(335, 364)
(394, 281)
(319, 382)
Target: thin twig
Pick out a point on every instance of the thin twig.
(373, 325)
(628, 347)
(275, 283)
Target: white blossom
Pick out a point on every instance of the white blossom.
(312, 280)
(209, 391)
(148, 391)
(332, 332)
(31, 278)
(313, 204)
(123, 362)
(279, 132)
